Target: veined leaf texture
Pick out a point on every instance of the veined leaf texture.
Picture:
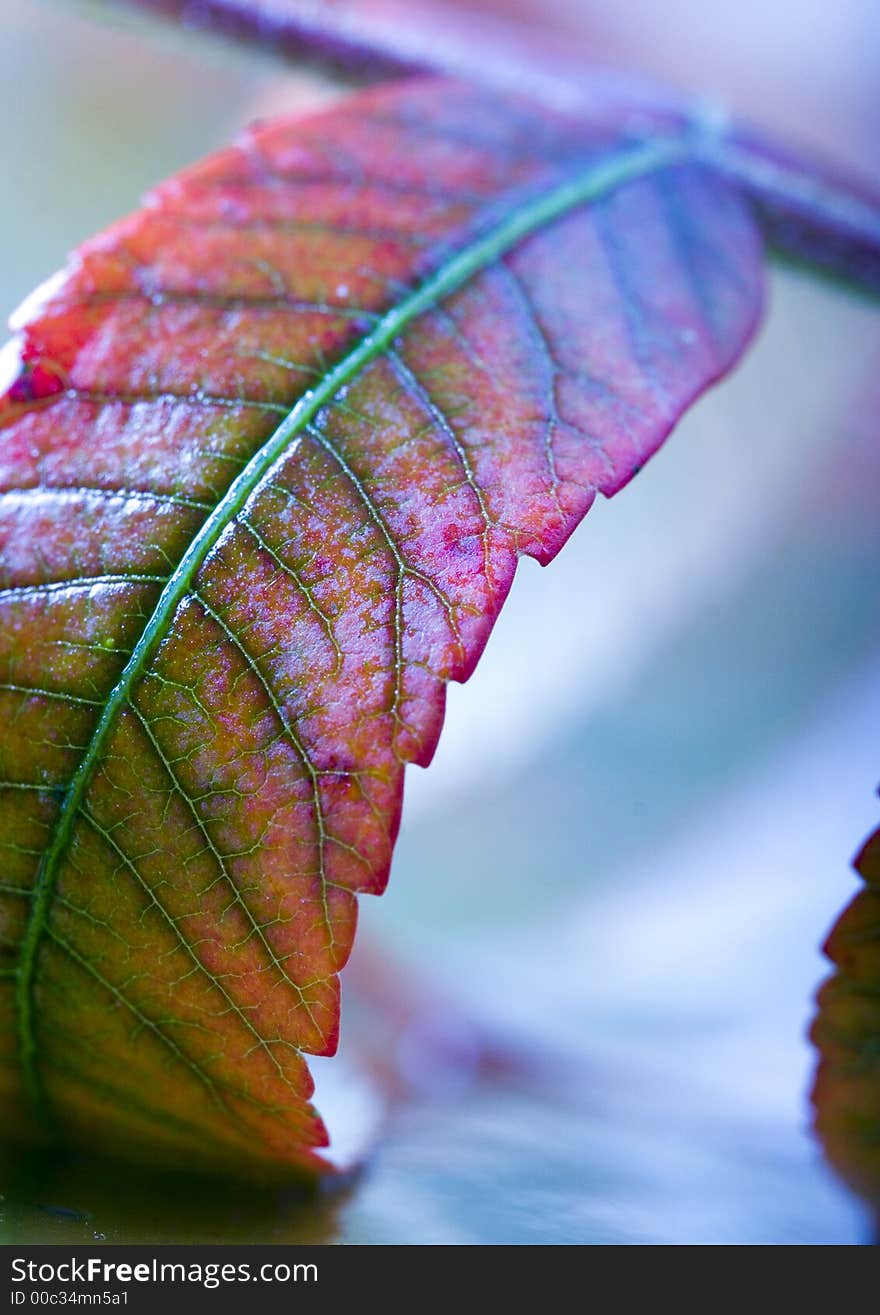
(273, 448)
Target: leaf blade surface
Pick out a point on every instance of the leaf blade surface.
(275, 448)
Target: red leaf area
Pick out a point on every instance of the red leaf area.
(165, 964)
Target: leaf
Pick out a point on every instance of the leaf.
(846, 1092)
(271, 452)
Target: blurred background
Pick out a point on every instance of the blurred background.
(638, 826)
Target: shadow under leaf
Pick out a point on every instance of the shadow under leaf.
(76, 1199)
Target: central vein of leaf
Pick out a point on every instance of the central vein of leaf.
(600, 180)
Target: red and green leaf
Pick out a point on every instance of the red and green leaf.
(846, 1031)
(271, 452)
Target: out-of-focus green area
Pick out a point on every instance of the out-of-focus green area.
(638, 825)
